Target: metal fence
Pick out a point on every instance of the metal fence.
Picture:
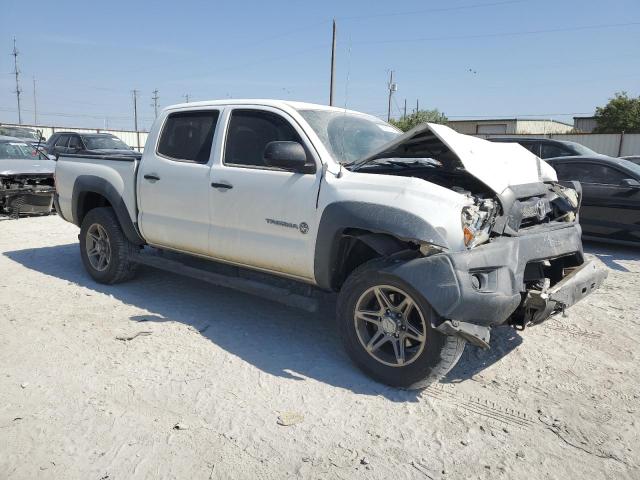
(612, 144)
(130, 137)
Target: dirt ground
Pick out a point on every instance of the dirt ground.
(166, 377)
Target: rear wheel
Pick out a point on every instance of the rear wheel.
(105, 250)
(386, 328)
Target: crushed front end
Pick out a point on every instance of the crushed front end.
(523, 263)
(26, 194)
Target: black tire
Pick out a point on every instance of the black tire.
(119, 267)
(439, 354)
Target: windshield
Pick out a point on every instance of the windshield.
(633, 167)
(349, 137)
(105, 142)
(15, 150)
(581, 149)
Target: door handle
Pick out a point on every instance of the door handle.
(222, 185)
(151, 177)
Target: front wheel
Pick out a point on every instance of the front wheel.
(386, 328)
(105, 250)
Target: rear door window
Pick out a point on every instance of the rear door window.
(188, 136)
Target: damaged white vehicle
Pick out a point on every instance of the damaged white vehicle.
(26, 179)
(430, 238)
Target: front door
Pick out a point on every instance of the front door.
(173, 182)
(263, 216)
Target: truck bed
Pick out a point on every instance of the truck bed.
(118, 170)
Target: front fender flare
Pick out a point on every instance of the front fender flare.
(374, 218)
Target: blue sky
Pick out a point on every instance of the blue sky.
(490, 58)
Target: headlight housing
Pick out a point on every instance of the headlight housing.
(477, 221)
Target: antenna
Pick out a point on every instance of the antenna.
(333, 63)
(16, 72)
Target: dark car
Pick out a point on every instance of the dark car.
(547, 147)
(610, 208)
(633, 158)
(87, 144)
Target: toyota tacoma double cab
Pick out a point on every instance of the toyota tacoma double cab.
(429, 238)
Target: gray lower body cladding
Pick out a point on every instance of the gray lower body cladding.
(487, 284)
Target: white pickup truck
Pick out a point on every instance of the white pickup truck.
(430, 238)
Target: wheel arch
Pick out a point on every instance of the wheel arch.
(89, 192)
(367, 231)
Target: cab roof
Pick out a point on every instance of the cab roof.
(262, 101)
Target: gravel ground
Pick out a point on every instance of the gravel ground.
(166, 377)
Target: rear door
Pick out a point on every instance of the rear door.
(610, 209)
(173, 182)
(263, 216)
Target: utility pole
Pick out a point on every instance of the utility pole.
(135, 116)
(35, 103)
(16, 72)
(155, 99)
(417, 106)
(405, 108)
(333, 63)
(392, 88)
(186, 97)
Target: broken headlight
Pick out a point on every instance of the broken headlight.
(477, 220)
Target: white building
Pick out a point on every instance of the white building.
(510, 126)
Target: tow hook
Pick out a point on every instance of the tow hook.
(474, 334)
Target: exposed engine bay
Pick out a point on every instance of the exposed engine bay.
(26, 194)
(518, 208)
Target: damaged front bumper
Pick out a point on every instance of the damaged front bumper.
(27, 201)
(520, 280)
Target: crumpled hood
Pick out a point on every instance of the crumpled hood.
(497, 165)
(26, 167)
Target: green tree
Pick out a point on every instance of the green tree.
(621, 114)
(421, 116)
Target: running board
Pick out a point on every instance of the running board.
(252, 287)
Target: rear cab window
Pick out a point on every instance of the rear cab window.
(188, 136)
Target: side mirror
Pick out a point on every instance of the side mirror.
(286, 155)
(630, 183)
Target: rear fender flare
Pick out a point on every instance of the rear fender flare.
(85, 184)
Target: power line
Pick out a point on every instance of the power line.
(503, 34)
(16, 72)
(432, 10)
